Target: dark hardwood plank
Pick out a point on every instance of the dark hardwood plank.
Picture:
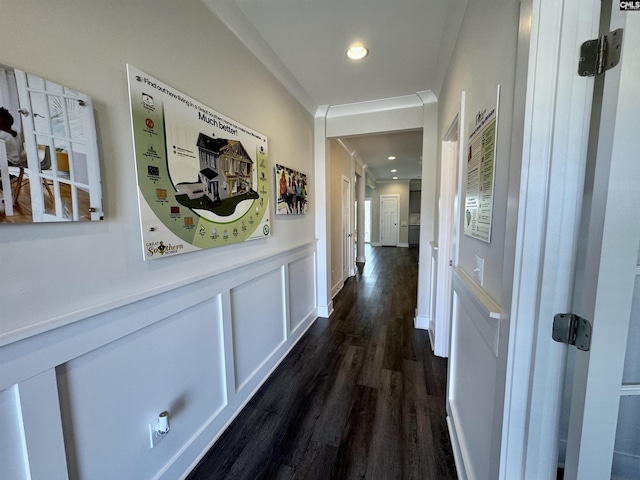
(318, 462)
(335, 413)
(419, 452)
(351, 461)
(385, 454)
(360, 396)
(374, 356)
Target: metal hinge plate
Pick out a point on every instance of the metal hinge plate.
(573, 330)
(600, 54)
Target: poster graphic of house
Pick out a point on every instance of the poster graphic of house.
(226, 171)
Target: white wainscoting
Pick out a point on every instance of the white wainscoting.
(473, 378)
(76, 401)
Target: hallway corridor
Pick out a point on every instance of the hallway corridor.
(360, 396)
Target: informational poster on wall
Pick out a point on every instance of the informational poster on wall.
(203, 179)
(480, 177)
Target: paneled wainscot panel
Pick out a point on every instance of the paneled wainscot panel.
(258, 323)
(109, 395)
(100, 380)
(302, 288)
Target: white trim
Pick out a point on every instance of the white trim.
(421, 322)
(42, 423)
(374, 106)
(630, 389)
(449, 164)
(325, 311)
(322, 212)
(346, 239)
(456, 445)
(401, 180)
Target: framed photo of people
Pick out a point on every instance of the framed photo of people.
(291, 190)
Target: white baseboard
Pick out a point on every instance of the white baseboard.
(421, 322)
(457, 450)
(403, 245)
(375, 244)
(336, 288)
(325, 311)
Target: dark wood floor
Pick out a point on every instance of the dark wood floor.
(360, 396)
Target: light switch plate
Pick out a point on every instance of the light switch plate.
(478, 271)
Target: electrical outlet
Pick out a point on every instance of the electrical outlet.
(154, 436)
(478, 271)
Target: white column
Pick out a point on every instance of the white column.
(427, 209)
(323, 214)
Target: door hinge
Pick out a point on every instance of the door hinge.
(571, 329)
(600, 54)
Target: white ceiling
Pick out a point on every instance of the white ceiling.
(303, 43)
(406, 146)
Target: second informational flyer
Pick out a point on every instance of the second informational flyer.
(203, 179)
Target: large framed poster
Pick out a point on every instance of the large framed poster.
(478, 208)
(203, 179)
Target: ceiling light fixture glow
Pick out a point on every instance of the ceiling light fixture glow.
(393, 170)
(391, 157)
(357, 52)
(395, 178)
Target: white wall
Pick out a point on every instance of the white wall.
(192, 60)
(92, 334)
(484, 57)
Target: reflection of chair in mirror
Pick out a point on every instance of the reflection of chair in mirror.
(44, 155)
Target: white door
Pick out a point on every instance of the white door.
(60, 139)
(389, 214)
(604, 420)
(347, 250)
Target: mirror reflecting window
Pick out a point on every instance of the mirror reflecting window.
(49, 168)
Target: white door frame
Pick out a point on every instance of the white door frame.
(397, 199)
(555, 106)
(449, 163)
(347, 228)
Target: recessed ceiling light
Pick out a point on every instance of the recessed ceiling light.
(391, 157)
(393, 170)
(395, 178)
(357, 52)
